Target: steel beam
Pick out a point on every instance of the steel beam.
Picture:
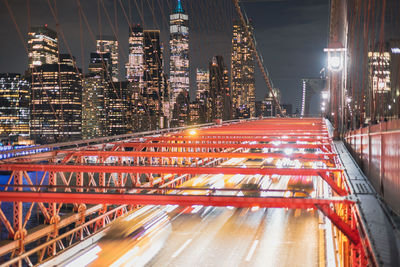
(164, 169)
(310, 157)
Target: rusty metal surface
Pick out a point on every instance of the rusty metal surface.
(377, 150)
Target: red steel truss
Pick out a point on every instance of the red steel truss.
(84, 177)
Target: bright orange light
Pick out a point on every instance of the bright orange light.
(192, 132)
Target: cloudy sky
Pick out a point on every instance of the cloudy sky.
(291, 34)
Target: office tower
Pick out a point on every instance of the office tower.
(108, 44)
(95, 86)
(194, 112)
(243, 66)
(202, 93)
(219, 103)
(202, 82)
(14, 107)
(56, 102)
(153, 79)
(118, 112)
(379, 95)
(179, 57)
(101, 63)
(42, 46)
(134, 67)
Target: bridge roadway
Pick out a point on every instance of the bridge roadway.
(228, 236)
(216, 236)
(223, 237)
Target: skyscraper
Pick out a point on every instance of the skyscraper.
(134, 67)
(14, 106)
(42, 46)
(243, 65)
(219, 103)
(95, 86)
(108, 44)
(154, 85)
(56, 104)
(179, 57)
(202, 93)
(203, 82)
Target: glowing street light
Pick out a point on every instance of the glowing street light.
(335, 58)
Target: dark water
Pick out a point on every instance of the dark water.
(7, 207)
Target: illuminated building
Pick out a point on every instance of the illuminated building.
(117, 104)
(154, 80)
(243, 66)
(134, 67)
(202, 93)
(56, 102)
(219, 103)
(179, 57)
(14, 107)
(95, 86)
(194, 112)
(108, 44)
(181, 111)
(42, 46)
(379, 94)
(202, 82)
(101, 62)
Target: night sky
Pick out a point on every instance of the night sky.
(290, 34)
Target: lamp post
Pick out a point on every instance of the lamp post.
(336, 64)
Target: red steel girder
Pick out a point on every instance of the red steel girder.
(352, 234)
(261, 133)
(165, 199)
(189, 200)
(309, 156)
(206, 138)
(194, 145)
(179, 170)
(164, 169)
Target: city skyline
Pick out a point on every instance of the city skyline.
(201, 31)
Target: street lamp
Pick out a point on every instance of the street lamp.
(335, 58)
(336, 64)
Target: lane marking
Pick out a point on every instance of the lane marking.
(252, 249)
(181, 248)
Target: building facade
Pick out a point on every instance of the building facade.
(154, 89)
(108, 44)
(56, 102)
(243, 69)
(179, 56)
(379, 93)
(42, 46)
(135, 65)
(14, 107)
(219, 103)
(95, 87)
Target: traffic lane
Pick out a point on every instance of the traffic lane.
(238, 238)
(289, 240)
(220, 238)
